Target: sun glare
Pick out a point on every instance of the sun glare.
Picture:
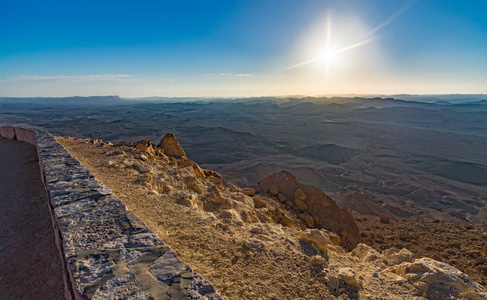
(328, 56)
(322, 48)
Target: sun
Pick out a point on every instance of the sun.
(327, 56)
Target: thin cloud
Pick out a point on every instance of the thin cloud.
(98, 77)
(228, 75)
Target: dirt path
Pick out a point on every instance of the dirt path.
(30, 266)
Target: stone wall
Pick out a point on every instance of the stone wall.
(110, 252)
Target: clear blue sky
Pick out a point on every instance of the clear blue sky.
(242, 48)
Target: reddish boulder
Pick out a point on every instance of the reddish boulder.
(319, 206)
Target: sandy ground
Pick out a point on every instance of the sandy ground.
(30, 266)
(216, 250)
(250, 261)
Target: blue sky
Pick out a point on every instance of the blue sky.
(242, 48)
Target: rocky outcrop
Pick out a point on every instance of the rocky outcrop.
(438, 280)
(245, 233)
(171, 146)
(313, 201)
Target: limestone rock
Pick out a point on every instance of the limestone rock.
(274, 190)
(171, 147)
(335, 239)
(216, 200)
(318, 260)
(395, 257)
(167, 267)
(366, 253)
(230, 215)
(307, 219)
(187, 199)
(248, 191)
(349, 277)
(318, 237)
(184, 162)
(299, 194)
(209, 173)
(440, 278)
(141, 147)
(259, 202)
(201, 288)
(322, 208)
(253, 244)
(333, 282)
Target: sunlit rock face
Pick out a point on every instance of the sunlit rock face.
(171, 146)
(312, 201)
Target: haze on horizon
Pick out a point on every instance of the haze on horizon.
(242, 48)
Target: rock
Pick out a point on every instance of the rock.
(348, 276)
(121, 287)
(307, 219)
(212, 173)
(324, 210)
(110, 163)
(300, 204)
(335, 238)
(282, 198)
(286, 221)
(201, 288)
(253, 244)
(187, 199)
(440, 278)
(153, 192)
(248, 191)
(171, 147)
(395, 257)
(159, 152)
(141, 147)
(187, 172)
(144, 169)
(274, 190)
(259, 202)
(213, 191)
(123, 143)
(332, 282)
(299, 194)
(365, 253)
(142, 157)
(168, 267)
(231, 215)
(168, 189)
(318, 260)
(194, 185)
(146, 143)
(217, 182)
(184, 162)
(216, 200)
(316, 236)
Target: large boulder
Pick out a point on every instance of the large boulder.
(171, 147)
(437, 280)
(322, 208)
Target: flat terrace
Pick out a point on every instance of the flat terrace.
(31, 265)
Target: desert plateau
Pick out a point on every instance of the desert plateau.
(243, 150)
